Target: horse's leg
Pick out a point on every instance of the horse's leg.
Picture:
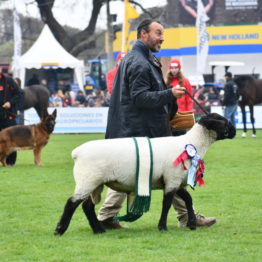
(251, 108)
(89, 210)
(41, 111)
(244, 119)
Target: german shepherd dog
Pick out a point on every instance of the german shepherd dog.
(27, 137)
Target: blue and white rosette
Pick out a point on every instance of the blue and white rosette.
(195, 157)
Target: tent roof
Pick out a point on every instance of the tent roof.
(47, 52)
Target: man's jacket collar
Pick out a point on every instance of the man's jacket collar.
(142, 48)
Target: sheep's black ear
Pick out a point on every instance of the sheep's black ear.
(219, 124)
(212, 124)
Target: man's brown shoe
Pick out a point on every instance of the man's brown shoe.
(203, 221)
(112, 223)
(200, 220)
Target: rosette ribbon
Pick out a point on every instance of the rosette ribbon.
(196, 170)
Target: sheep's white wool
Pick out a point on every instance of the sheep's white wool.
(114, 160)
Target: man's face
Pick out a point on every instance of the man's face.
(154, 37)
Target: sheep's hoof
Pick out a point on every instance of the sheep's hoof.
(99, 231)
(192, 224)
(59, 231)
(56, 233)
(192, 227)
(162, 227)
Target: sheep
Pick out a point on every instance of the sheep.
(112, 162)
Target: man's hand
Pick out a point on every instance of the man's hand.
(178, 91)
(6, 105)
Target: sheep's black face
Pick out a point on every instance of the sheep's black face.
(219, 124)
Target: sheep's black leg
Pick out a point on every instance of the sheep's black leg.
(167, 201)
(65, 219)
(89, 210)
(191, 222)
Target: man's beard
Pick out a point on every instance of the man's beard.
(154, 46)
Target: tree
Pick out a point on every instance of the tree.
(78, 42)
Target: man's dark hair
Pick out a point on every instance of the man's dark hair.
(228, 74)
(144, 25)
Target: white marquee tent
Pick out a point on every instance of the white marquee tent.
(46, 53)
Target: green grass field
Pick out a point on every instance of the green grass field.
(32, 200)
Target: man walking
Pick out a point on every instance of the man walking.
(141, 105)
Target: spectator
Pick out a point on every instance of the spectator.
(201, 99)
(90, 99)
(213, 96)
(99, 98)
(175, 77)
(90, 84)
(62, 96)
(10, 98)
(61, 85)
(20, 104)
(68, 96)
(103, 83)
(55, 100)
(212, 99)
(80, 99)
(231, 97)
(110, 76)
(68, 99)
(44, 82)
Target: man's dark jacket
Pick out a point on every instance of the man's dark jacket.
(9, 92)
(141, 104)
(231, 94)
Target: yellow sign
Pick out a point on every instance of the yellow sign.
(222, 40)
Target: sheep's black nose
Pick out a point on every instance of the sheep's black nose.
(231, 131)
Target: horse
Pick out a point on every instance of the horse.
(36, 96)
(250, 91)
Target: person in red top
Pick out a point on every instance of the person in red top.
(176, 78)
(110, 76)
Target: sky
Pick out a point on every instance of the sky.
(76, 13)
